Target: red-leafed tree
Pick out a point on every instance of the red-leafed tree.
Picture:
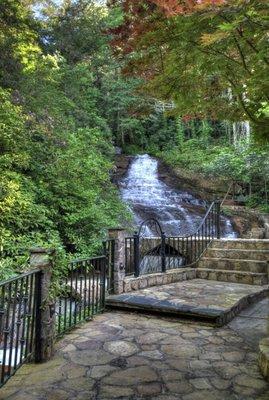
(209, 56)
(174, 7)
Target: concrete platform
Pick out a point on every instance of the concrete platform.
(211, 301)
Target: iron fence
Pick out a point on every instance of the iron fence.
(18, 321)
(147, 255)
(82, 293)
(81, 296)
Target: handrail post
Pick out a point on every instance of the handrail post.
(163, 252)
(136, 255)
(217, 202)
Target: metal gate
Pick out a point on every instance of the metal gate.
(150, 247)
(150, 251)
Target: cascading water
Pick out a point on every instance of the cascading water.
(178, 212)
(241, 133)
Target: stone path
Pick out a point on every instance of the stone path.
(129, 356)
(216, 301)
(253, 323)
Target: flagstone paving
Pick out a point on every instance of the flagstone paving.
(213, 301)
(253, 323)
(129, 356)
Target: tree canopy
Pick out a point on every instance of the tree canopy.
(209, 57)
(56, 143)
(78, 79)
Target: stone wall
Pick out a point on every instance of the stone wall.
(142, 282)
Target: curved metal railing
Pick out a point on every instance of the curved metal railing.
(192, 246)
(169, 252)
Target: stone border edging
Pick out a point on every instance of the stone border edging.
(243, 303)
(176, 275)
(263, 359)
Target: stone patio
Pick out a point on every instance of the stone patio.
(213, 301)
(129, 356)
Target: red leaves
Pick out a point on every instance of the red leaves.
(176, 7)
(143, 16)
(170, 7)
(137, 22)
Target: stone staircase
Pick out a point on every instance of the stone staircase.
(236, 260)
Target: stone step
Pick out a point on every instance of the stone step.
(229, 264)
(243, 254)
(196, 299)
(247, 244)
(250, 278)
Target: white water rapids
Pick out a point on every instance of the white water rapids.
(178, 211)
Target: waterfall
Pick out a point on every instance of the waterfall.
(178, 211)
(241, 132)
(240, 129)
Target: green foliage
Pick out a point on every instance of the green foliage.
(56, 145)
(18, 41)
(246, 163)
(64, 104)
(212, 61)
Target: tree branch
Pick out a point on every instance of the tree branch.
(241, 101)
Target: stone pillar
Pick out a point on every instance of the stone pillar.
(119, 235)
(42, 259)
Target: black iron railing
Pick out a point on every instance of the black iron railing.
(192, 246)
(81, 296)
(18, 321)
(82, 293)
(147, 255)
